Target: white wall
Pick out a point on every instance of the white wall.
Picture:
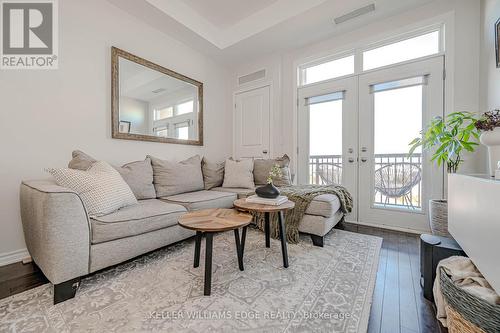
(490, 75)
(137, 112)
(463, 70)
(44, 115)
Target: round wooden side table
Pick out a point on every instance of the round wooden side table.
(209, 221)
(242, 204)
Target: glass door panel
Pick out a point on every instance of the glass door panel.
(327, 135)
(394, 103)
(325, 143)
(397, 121)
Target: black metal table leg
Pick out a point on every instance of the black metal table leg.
(243, 238)
(283, 238)
(197, 246)
(239, 249)
(267, 229)
(208, 263)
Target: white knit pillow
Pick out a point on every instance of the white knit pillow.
(101, 187)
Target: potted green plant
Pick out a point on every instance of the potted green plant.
(447, 139)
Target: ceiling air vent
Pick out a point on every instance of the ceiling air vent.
(355, 13)
(252, 77)
(159, 90)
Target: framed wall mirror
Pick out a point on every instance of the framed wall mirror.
(152, 103)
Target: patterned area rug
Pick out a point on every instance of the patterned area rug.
(324, 290)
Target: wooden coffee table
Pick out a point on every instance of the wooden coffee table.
(210, 221)
(243, 205)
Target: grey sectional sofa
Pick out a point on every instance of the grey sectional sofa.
(67, 244)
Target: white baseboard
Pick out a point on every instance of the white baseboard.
(13, 257)
(383, 226)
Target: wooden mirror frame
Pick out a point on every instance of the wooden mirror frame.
(116, 54)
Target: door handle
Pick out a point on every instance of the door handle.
(350, 160)
(364, 149)
(363, 159)
(264, 152)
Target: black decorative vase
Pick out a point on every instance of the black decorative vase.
(268, 191)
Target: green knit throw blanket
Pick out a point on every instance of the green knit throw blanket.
(302, 196)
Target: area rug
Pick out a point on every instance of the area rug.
(325, 289)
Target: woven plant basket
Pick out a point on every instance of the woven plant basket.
(438, 218)
(467, 313)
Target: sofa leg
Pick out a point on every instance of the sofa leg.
(317, 240)
(65, 290)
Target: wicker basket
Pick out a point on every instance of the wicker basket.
(467, 313)
(438, 218)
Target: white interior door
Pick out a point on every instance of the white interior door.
(327, 137)
(251, 123)
(394, 105)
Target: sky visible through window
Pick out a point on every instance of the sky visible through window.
(407, 49)
(397, 115)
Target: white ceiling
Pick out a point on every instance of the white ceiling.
(140, 82)
(237, 31)
(226, 13)
(235, 20)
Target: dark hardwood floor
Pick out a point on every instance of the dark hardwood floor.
(398, 304)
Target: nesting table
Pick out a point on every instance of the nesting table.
(209, 221)
(243, 205)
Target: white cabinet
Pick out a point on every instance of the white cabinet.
(474, 221)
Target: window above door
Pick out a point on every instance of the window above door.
(412, 46)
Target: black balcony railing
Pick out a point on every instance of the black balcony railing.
(397, 177)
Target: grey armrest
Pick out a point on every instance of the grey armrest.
(56, 228)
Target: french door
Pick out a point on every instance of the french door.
(355, 131)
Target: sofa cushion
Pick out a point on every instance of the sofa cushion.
(202, 200)
(213, 173)
(101, 187)
(239, 191)
(325, 205)
(138, 175)
(146, 216)
(238, 173)
(171, 178)
(80, 160)
(261, 169)
(319, 225)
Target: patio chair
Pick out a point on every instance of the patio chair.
(330, 174)
(396, 180)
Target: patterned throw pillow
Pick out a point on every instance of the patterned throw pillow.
(101, 187)
(138, 175)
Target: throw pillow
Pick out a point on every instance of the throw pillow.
(101, 187)
(80, 160)
(263, 167)
(138, 175)
(172, 178)
(213, 173)
(238, 174)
